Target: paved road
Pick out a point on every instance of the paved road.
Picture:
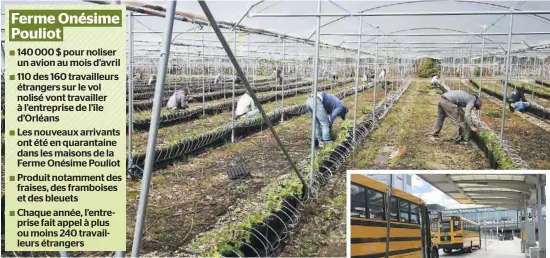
(500, 249)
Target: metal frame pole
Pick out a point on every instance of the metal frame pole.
(314, 92)
(485, 229)
(375, 77)
(283, 74)
(153, 129)
(505, 91)
(541, 226)
(481, 71)
(240, 72)
(535, 75)
(386, 67)
(233, 91)
(130, 25)
(203, 75)
(358, 62)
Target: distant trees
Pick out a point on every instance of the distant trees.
(427, 67)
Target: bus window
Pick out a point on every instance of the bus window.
(376, 205)
(456, 225)
(445, 226)
(404, 211)
(434, 227)
(393, 209)
(414, 214)
(358, 201)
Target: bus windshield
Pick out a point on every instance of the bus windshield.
(445, 226)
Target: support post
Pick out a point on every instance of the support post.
(388, 216)
(541, 223)
(233, 91)
(358, 62)
(153, 129)
(203, 75)
(505, 90)
(130, 25)
(485, 229)
(534, 79)
(314, 94)
(375, 77)
(481, 70)
(283, 74)
(240, 72)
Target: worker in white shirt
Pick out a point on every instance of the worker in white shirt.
(434, 82)
(245, 107)
(217, 79)
(152, 80)
(382, 75)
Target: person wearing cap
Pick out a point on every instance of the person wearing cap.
(245, 107)
(450, 105)
(328, 108)
(178, 100)
(517, 101)
(280, 76)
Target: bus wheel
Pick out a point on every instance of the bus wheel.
(447, 251)
(435, 253)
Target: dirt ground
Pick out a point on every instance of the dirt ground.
(401, 141)
(188, 197)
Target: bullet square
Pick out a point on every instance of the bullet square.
(12, 178)
(12, 132)
(12, 77)
(12, 213)
(12, 52)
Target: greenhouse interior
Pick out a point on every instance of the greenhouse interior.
(205, 181)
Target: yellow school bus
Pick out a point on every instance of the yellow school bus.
(409, 228)
(434, 231)
(458, 233)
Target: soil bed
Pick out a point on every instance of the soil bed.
(401, 141)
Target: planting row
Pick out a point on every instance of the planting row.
(148, 104)
(530, 88)
(269, 219)
(173, 145)
(169, 90)
(528, 140)
(142, 119)
(533, 108)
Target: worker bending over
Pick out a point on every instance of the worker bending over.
(245, 107)
(382, 76)
(328, 108)
(280, 76)
(218, 79)
(152, 80)
(450, 105)
(334, 76)
(517, 101)
(178, 100)
(434, 82)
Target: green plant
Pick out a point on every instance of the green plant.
(493, 144)
(477, 71)
(427, 67)
(492, 113)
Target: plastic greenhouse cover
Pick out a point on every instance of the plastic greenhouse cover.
(149, 29)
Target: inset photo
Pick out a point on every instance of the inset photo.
(464, 214)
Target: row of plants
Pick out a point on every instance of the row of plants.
(207, 88)
(209, 96)
(542, 82)
(142, 120)
(488, 141)
(539, 92)
(267, 221)
(533, 108)
(175, 146)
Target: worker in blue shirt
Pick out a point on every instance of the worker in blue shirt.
(328, 108)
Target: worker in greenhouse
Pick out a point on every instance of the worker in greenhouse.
(245, 107)
(382, 75)
(328, 108)
(434, 82)
(334, 76)
(279, 73)
(517, 101)
(451, 105)
(237, 79)
(152, 80)
(178, 100)
(218, 79)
